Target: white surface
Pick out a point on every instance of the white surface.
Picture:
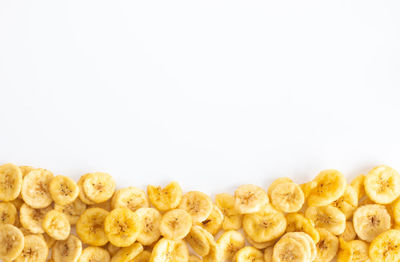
(209, 93)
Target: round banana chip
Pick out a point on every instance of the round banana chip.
(268, 252)
(130, 197)
(289, 249)
(349, 233)
(287, 197)
(98, 187)
(306, 241)
(197, 204)
(328, 217)
(170, 251)
(56, 225)
(175, 224)
(94, 254)
(12, 242)
(250, 199)
(386, 246)
(82, 194)
(353, 251)
(90, 227)
(296, 222)
(348, 202)
(213, 223)
(265, 225)
(329, 186)
(122, 227)
(249, 254)
(167, 198)
(232, 218)
(327, 246)
(8, 213)
(277, 182)
(198, 239)
(371, 220)
(73, 211)
(229, 243)
(151, 221)
(382, 184)
(10, 182)
(35, 250)
(35, 188)
(127, 254)
(63, 190)
(67, 250)
(32, 219)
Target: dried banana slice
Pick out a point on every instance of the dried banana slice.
(25, 170)
(215, 253)
(329, 186)
(260, 245)
(386, 246)
(358, 185)
(229, 243)
(35, 250)
(170, 251)
(127, 254)
(287, 197)
(198, 239)
(12, 242)
(10, 182)
(32, 219)
(73, 211)
(197, 204)
(296, 222)
(289, 249)
(249, 254)
(56, 225)
(151, 220)
(82, 194)
(277, 182)
(35, 188)
(130, 197)
(144, 256)
(327, 246)
(268, 252)
(94, 254)
(328, 217)
(98, 187)
(348, 202)
(213, 223)
(353, 251)
(68, 250)
(232, 218)
(8, 213)
(371, 220)
(175, 224)
(250, 199)
(265, 225)
(63, 190)
(349, 233)
(90, 227)
(122, 227)
(166, 198)
(382, 184)
(306, 241)
(193, 258)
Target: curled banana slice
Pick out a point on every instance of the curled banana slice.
(127, 254)
(8, 213)
(214, 221)
(167, 198)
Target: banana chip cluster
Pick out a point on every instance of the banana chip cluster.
(53, 218)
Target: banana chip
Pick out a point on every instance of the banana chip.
(151, 221)
(175, 224)
(169, 251)
(197, 204)
(8, 213)
(296, 222)
(353, 251)
(382, 184)
(250, 199)
(35, 250)
(98, 187)
(63, 190)
(12, 242)
(386, 246)
(73, 211)
(328, 217)
(327, 246)
(229, 243)
(32, 219)
(90, 227)
(371, 220)
(232, 218)
(249, 254)
(167, 198)
(288, 249)
(198, 239)
(349, 233)
(214, 221)
(287, 197)
(127, 254)
(10, 182)
(67, 250)
(131, 197)
(56, 225)
(94, 254)
(35, 188)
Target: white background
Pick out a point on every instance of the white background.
(209, 93)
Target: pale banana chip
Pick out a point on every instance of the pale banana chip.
(229, 243)
(328, 217)
(353, 251)
(94, 254)
(82, 194)
(214, 221)
(122, 227)
(327, 246)
(63, 190)
(8, 213)
(249, 254)
(68, 250)
(90, 227)
(382, 184)
(35, 250)
(296, 222)
(198, 239)
(127, 254)
(130, 197)
(371, 220)
(277, 182)
(169, 251)
(289, 250)
(73, 211)
(10, 182)
(287, 197)
(348, 202)
(386, 246)
(250, 199)
(175, 224)
(151, 221)
(32, 219)
(12, 242)
(232, 218)
(56, 225)
(197, 204)
(98, 187)
(35, 188)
